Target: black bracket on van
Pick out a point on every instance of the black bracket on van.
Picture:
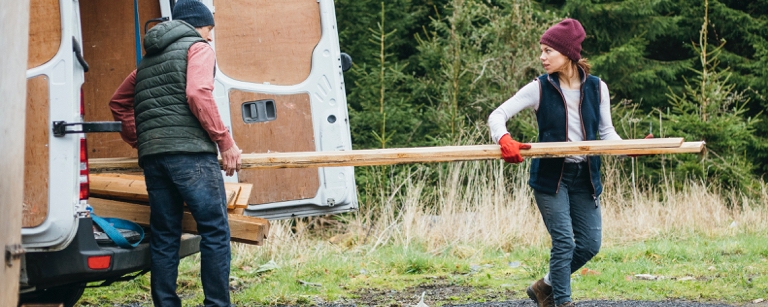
(60, 127)
(79, 54)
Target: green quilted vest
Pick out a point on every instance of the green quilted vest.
(164, 122)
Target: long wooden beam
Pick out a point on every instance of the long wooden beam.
(438, 154)
(243, 229)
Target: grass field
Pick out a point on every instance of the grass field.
(478, 237)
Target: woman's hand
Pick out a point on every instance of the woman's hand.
(510, 149)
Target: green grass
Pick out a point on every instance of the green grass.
(731, 269)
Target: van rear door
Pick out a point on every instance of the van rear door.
(280, 87)
(52, 165)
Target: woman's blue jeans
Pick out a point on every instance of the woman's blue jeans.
(572, 217)
(194, 179)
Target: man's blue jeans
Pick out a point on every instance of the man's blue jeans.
(572, 217)
(194, 179)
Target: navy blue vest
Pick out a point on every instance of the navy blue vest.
(552, 117)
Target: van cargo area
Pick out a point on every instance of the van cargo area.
(278, 87)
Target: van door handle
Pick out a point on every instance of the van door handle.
(259, 111)
(79, 54)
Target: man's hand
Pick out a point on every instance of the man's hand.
(649, 136)
(510, 149)
(231, 160)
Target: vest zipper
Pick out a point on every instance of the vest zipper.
(565, 104)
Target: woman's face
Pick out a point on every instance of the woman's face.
(552, 60)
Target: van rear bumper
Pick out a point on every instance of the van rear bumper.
(70, 265)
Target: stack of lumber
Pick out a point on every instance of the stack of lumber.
(125, 196)
(436, 154)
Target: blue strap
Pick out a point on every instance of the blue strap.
(137, 30)
(110, 226)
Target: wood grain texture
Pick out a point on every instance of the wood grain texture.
(134, 188)
(267, 41)
(14, 24)
(36, 152)
(291, 131)
(109, 48)
(44, 31)
(442, 154)
(243, 229)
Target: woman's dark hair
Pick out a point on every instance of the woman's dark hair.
(584, 65)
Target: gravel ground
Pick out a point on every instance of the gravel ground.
(526, 303)
(437, 294)
(529, 303)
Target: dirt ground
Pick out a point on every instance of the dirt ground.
(452, 295)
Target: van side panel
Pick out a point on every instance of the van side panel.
(44, 31)
(290, 131)
(109, 47)
(267, 41)
(36, 152)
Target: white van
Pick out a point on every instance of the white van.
(279, 88)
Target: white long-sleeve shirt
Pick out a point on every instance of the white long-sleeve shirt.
(529, 96)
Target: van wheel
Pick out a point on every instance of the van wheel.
(67, 295)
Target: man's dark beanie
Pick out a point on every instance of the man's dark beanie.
(566, 38)
(193, 12)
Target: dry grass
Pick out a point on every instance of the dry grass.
(486, 204)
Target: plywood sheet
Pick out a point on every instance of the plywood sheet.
(109, 48)
(44, 31)
(36, 153)
(292, 131)
(267, 41)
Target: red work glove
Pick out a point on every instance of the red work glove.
(510, 149)
(649, 136)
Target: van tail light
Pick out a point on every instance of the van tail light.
(84, 180)
(85, 188)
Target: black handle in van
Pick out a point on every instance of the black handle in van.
(79, 54)
(60, 127)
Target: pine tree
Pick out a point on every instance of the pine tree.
(710, 109)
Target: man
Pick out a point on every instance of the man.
(167, 111)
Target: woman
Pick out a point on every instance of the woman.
(571, 105)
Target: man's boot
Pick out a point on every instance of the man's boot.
(541, 293)
(567, 304)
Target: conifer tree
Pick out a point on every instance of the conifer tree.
(710, 109)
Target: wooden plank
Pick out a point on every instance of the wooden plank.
(294, 113)
(44, 31)
(263, 41)
(243, 229)
(36, 152)
(441, 154)
(242, 198)
(14, 24)
(134, 188)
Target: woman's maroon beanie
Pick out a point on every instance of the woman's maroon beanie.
(566, 38)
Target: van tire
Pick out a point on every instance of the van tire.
(67, 295)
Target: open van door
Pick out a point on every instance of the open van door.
(15, 24)
(280, 88)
